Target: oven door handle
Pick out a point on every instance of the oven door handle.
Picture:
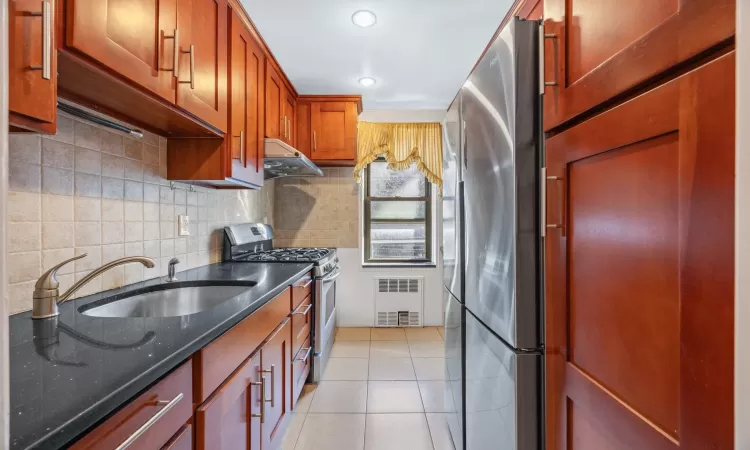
(335, 274)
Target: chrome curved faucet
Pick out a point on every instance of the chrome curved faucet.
(47, 297)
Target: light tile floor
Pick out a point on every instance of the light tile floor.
(382, 390)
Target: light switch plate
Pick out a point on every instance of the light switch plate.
(183, 225)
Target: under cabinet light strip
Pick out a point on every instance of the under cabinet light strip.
(72, 110)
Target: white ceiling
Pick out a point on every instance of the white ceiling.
(420, 51)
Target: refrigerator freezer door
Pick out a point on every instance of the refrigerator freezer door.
(451, 199)
(454, 331)
(502, 393)
(500, 106)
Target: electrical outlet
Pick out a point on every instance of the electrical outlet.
(183, 225)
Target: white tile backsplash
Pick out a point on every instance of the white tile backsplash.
(90, 190)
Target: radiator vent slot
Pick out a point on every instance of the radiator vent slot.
(399, 301)
(403, 285)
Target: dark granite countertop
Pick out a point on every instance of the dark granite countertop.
(101, 363)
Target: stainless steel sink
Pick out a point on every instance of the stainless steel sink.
(167, 300)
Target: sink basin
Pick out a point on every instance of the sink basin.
(167, 300)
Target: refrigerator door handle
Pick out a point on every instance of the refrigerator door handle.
(543, 201)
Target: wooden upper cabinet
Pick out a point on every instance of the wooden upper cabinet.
(231, 418)
(275, 92)
(276, 356)
(602, 48)
(202, 81)
(334, 130)
(640, 271)
(247, 105)
(129, 37)
(32, 65)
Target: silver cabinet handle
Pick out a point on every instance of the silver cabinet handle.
(175, 54)
(560, 202)
(304, 358)
(46, 16)
(262, 384)
(296, 312)
(167, 405)
(273, 393)
(242, 145)
(315, 140)
(541, 52)
(192, 66)
(309, 282)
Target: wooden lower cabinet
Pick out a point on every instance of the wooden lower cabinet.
(231, 419)
(300, 368)
(183, 440)
(177, 387)
(276, 355)
(640, 270)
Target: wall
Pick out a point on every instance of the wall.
(324, 212)
(317, 211)
(742, 240)
(95, 191)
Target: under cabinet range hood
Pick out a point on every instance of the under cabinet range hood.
(283, 160)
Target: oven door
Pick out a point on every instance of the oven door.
(325, 320)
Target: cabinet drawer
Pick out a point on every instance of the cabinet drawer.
(183, 440)
(301, 323)
(176, 391)
(301, 368)
(301, 289)
(215, 362)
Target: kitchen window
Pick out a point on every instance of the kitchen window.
(398, 212)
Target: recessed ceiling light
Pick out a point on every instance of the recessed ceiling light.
(367, 81)
(364, 18)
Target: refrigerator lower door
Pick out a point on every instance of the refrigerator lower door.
(503, 393)
(454, 338)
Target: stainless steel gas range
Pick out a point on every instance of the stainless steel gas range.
(253, 242)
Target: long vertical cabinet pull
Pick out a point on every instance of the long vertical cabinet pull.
(46, 16)
(192, 66)
(175, 54)
(273, 383)
(560, 199)
(542, 37)
(262, 385)
(315, 140)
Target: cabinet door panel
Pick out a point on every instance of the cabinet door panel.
(602, 48)
(202, 86)
(639, 271)
(183, 440)
(246, 110)
(230, 418)
(128, 37)
(30, 94)
(334, 128)
(276, 356)
(274, 95)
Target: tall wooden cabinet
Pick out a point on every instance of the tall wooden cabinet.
(639, 217)
(275, 100)
(32, 66)
(596, 50)
(640, 270)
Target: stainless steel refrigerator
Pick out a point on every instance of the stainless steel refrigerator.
(492, 249)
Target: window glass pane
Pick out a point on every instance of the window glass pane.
(398, 241)
(397, 209)
(396, 183)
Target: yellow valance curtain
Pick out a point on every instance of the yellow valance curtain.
(402, 144)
